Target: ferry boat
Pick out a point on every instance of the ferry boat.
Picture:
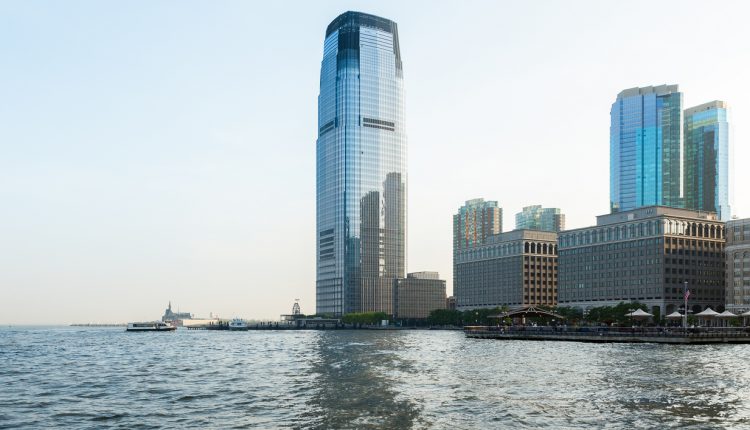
(150, 326)
(238, 324)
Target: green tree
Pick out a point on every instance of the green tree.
(365, 318)
(445, 317)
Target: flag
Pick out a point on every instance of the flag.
(687, 294)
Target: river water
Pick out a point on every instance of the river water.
(107, 378)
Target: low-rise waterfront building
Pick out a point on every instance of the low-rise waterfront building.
(644, 255)
(450, 303)
(738, 265)
(418, 294)
(538, 218)
(518, 268)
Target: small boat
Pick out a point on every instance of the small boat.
(238, 324)
(150, 326)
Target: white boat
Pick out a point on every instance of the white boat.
(238, 324)
(150, 326)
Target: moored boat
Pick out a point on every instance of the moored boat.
(238, 324)
(150, 326)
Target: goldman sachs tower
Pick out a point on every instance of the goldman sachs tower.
(361, 167)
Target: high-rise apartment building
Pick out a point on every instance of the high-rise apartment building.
(645, 255)
(474, 222)
(706, 164)
(361, 167)
(645, 160)
(539, 218)
(738, 265)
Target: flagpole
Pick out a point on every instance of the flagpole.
(684, 316)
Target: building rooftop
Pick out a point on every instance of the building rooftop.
(423, 275)
(716, 104)
(522, 235)
(659, 90)
(352, 18)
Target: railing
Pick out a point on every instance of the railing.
(696, 332)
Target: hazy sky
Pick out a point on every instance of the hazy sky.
(154, 151)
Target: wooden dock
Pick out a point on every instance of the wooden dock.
(665, 335)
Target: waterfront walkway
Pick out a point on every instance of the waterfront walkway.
(669, 335)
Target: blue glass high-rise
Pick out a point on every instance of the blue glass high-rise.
(707, 159)
(361, 167)
(645, 148)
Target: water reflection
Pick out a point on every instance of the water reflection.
(352, 383)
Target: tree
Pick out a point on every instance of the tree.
(366, 318)
(445, 317)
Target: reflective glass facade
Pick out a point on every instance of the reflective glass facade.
(361, 167)
(645, 134)
(539, 218)
(707, 159)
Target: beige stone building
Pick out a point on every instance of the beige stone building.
(418, 294)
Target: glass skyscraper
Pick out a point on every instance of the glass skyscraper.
(361, 167)
(645, 148)
(707, 159)
(538, 218)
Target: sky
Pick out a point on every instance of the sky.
(165, 150)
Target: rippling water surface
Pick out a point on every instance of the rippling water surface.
(107, 378)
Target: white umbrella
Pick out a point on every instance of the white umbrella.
(708, 313)
(639, 313)
(726, 314)
(746, 314)
(674, 315)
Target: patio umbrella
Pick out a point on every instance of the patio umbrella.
(726, 315)
(706, 314)
(674, 315)
(638, 313)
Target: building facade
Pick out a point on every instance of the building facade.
(706, 138)
(475, 221)
(738, 265)
(419, 294)
(644, 255)
(645, 132)
(361, 189)
(518, 268)
(539, 218)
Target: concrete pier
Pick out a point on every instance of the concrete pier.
(664, 335)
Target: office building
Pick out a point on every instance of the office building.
(738, 265)
(361, 167)
(644, 255)
(706, 137)
(645, 159)
(518, 268)
(539, 218)
(419, 294)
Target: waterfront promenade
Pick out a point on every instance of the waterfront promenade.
(666, 335)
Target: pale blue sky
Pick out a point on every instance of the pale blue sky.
(154, 151)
